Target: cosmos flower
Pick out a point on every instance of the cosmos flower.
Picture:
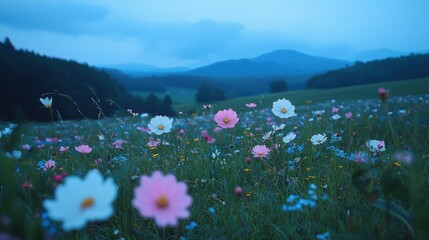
(336, 117)
(64, 149)
(160, 125)
(226, 118)
(163, 198)
(349, 115)
(376, 146)
(283, 108)
(209, 139)
(78, 201)
(47, 102)
(250, 105)
(83, 149)
(260, 151)
(50, 164)
(26, 147)
(278, 128)
(290, 137)
(318, 139)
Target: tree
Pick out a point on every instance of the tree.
(8, 44)
(278, 86)
(208, 93)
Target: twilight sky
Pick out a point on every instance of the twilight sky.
(191, 33)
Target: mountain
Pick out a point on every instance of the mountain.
(276, 63)
(377, 54)
(138, 69)
(389, 69)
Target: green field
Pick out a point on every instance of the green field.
(305, 97)
(340, 187)
(178, 95)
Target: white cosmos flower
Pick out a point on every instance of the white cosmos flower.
(283, 108)
(376, 145)
(47, 102)
(336, 117)
(160, 125)
(318, 139)
(290, 137)
(278, 128)
(78, 201)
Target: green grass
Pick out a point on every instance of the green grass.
(290, 169)
(305, 97)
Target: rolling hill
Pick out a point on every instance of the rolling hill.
(276, 63)
(390, 69)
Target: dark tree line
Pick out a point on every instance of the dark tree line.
(278, 86)
(77, 89)
(207, 93)
(390, 69)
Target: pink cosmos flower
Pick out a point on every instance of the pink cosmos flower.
(250, 105)
(26, 147)
(64, 149)
(118, 143)
(49, 164)
(226, 118)
(349, 115)
(209, 139)
(83, 149)
(163, 198)
(335, 110)
(260, 151)
(153, 143)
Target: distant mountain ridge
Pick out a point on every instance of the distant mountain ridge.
(276, 63)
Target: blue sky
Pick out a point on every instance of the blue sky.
(192, 33)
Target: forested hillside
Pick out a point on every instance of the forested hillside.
(76, 89)
(386, 70)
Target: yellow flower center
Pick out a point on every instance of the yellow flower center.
(161, 127)
(260, 153)
(226, 120)
(162, 202)
(283, 110)
(87, 202)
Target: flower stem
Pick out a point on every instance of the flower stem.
(392, 131)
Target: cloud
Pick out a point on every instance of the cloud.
(190, 40)
(183, 39)
(57, 16)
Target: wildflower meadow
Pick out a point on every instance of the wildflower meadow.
(333, 170)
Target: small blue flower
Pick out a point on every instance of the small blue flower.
(323, 236)
(212, 210)
(300, 148)
(41, 164)
(191, 226)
